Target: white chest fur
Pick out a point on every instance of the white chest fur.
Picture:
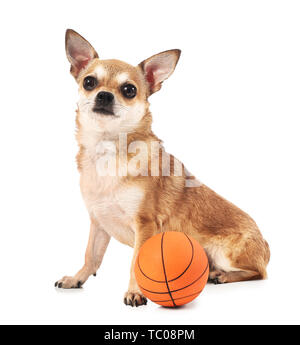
(111, 203)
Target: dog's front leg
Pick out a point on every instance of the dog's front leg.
(134, 296)
(97, 244)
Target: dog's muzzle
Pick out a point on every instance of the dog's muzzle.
(104, 103)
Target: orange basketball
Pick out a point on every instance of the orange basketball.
(171, 269)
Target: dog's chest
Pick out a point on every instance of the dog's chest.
(113, 203)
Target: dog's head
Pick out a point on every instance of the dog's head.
(113, 94)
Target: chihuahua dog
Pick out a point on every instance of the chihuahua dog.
(135, 202)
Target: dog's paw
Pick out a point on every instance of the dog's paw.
(69, 283)
(217, 280)
(134, 299)
(217, 277)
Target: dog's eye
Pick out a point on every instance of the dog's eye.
(128, 90)
(89, 83)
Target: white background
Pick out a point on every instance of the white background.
(230, 112)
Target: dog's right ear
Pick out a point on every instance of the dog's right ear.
(79, 52)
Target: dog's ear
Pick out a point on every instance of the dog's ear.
(79, 51)
(159, 67)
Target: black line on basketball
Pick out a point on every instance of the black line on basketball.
(161, 293)
(162, 281)
(163, 263)
(190, 261)
(175, 299)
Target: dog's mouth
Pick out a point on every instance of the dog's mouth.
(103, 111)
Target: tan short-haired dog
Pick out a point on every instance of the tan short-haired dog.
(132, 188)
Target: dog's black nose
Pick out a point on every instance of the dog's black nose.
(105, 98)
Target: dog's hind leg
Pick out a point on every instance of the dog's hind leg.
(246, 260)
(220, 277)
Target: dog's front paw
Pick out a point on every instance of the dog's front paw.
(134, 299)
(69, 283)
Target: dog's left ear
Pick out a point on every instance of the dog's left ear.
(79, 51)
(159, 67)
